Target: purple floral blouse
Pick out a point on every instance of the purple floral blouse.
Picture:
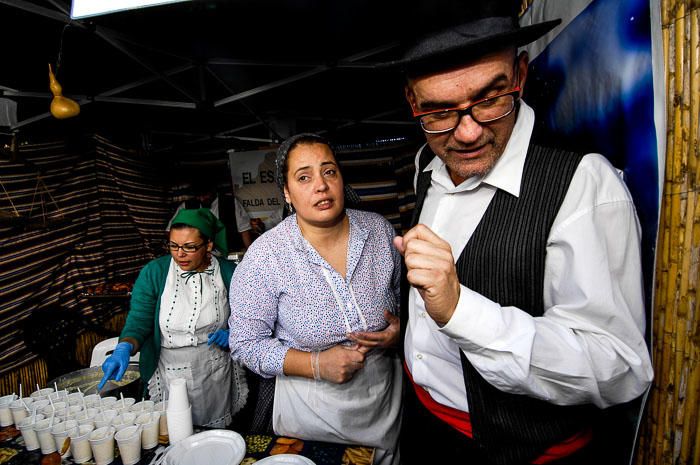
(281, 298)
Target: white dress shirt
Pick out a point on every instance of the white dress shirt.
(588, 347)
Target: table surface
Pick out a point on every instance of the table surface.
(258, 446)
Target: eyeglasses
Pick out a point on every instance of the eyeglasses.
(187, 248)
(482, 111)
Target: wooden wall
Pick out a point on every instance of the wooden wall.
(670, 433)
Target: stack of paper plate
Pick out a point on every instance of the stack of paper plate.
(214, 447)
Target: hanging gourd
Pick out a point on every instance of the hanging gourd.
(61, 107)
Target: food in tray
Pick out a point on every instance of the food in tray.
(114, 288)
(9, 432)
(256, 443)
(6, 454)
(287, 446)
(358, 456)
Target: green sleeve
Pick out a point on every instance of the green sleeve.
(144, 299)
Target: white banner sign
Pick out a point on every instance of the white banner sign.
(253, 180)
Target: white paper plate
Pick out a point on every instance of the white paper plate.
(288, 459)
(217, 446)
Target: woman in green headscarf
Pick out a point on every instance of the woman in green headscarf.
(178, 321)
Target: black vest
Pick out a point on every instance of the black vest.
(504, 261)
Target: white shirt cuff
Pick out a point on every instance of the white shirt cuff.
(475, 322)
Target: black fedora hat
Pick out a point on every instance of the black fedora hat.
(452, 32)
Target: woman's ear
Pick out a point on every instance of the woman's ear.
(210, 246)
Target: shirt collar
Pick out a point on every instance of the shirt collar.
(507, 173)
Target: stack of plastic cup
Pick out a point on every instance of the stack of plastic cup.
(179, 411)
(129, 443)
(5, 413)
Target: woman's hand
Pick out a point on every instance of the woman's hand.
(116, 364)
(339, 363)
(385, 339)
(220, 338)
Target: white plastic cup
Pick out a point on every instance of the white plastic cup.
(92, 400)
(108, 402)
(59, 396)
(73, 410)
(80, 445)
(86, 417)
(75, 398)
(149, 422)
(101, 420)
(38, 405)
(124, 405)
(60, 432)
(19, 411)
(26, 427)
(129, 443)
(177, 399)
(49, 409)
(179, 425)
(5, 413)
(102, 444)
(43, 433)
(61, 413)
(123, 420)
(163, 421)
(144, 406)
(41, 394)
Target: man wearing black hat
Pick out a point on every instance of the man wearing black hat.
(526, 311)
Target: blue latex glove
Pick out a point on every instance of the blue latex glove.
(116, 364)
(220, 338)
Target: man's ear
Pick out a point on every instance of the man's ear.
(523, 62)
(410, 97)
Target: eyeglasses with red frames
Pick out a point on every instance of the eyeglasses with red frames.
(486, 110)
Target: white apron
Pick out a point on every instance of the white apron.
(216, 386)
(364, 411)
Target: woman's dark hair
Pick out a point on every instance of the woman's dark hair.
(287, 146)
(183, 226)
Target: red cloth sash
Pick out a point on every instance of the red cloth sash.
(461, 421)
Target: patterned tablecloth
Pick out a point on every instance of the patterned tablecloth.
(12, 451)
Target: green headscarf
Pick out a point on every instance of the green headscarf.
(209, 225)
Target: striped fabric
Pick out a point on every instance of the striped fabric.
(371, 170)
(94, 213)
